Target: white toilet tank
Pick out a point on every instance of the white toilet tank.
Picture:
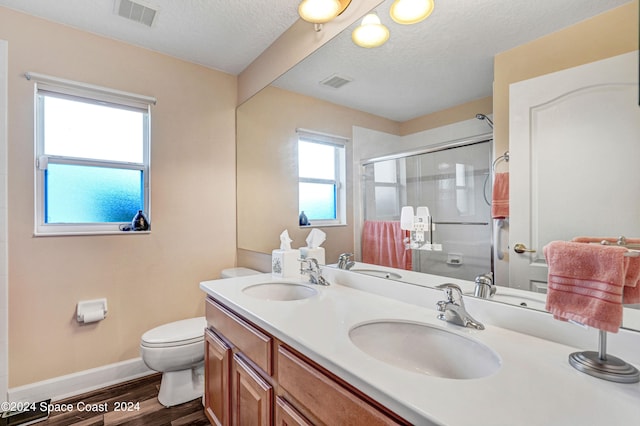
(238, 272)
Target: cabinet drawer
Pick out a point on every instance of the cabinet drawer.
(254, 344)
(325, 399)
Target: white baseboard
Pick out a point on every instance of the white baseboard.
(77, 383)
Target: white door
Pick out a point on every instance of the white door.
(574, 167)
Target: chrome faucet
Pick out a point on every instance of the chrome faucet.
(313, 270)
(345, 262)
(453, 310)
(484, 286)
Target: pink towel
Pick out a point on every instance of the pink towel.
(383, 244)
(631, 290)
(585, 283)
(631, 293)
(500, 196)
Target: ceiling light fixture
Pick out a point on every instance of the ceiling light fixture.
(370, 33)
(408, 12)
(318, 11)
(321, 11)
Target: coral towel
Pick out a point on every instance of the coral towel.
(500, 196)
(383, 244)
(631, 290)
(585, 283)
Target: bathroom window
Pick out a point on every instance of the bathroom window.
(92, 158)
(321, 178)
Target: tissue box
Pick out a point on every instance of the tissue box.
(317, 253)
(285, 263)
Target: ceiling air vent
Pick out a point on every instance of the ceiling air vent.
(335, 81)
(136, 12)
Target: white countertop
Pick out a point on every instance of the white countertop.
(535, 384)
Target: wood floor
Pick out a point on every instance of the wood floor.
(125, 396)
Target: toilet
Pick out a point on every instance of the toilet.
(237, 272)
(176, 350)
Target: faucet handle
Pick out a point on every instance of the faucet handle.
(449, 290)
(311, 262)
(484, 279)
(447, 287)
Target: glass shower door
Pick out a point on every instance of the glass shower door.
(455, 184)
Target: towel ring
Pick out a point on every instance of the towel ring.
(504, 157)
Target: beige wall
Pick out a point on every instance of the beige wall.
(267, 166)
(147, 279)
(609, 34)
(447, 116)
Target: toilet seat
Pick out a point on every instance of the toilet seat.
(178, 333)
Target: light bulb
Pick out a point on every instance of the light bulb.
(371, 32)
(411, 11)
(319, 11)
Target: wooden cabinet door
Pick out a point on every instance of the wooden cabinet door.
(286, 415)
(217, 371)
(252, 400)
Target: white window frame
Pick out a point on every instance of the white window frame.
(340, 174)
(100, 95)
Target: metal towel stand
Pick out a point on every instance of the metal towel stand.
(603, 366)
(599, 364)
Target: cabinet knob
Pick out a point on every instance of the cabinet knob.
(521, 248)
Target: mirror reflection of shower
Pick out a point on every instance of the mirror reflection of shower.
(449, 180)
(487, 119)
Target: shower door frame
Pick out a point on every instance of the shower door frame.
(456, 143)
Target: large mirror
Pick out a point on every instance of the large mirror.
(417, 109)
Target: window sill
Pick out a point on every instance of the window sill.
(88, 233)
(323, 225)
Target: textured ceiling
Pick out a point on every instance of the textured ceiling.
(441, 62)
(226, 35)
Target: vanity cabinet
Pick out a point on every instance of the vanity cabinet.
(237, 368)
(251, 378)
(252, 395)
(217, 367)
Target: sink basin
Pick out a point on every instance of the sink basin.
(378, 273)
(280, 291)
(425, 349)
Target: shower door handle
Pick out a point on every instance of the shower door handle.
(497, 242)
(521, 248)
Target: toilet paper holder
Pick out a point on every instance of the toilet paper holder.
(89, 311)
